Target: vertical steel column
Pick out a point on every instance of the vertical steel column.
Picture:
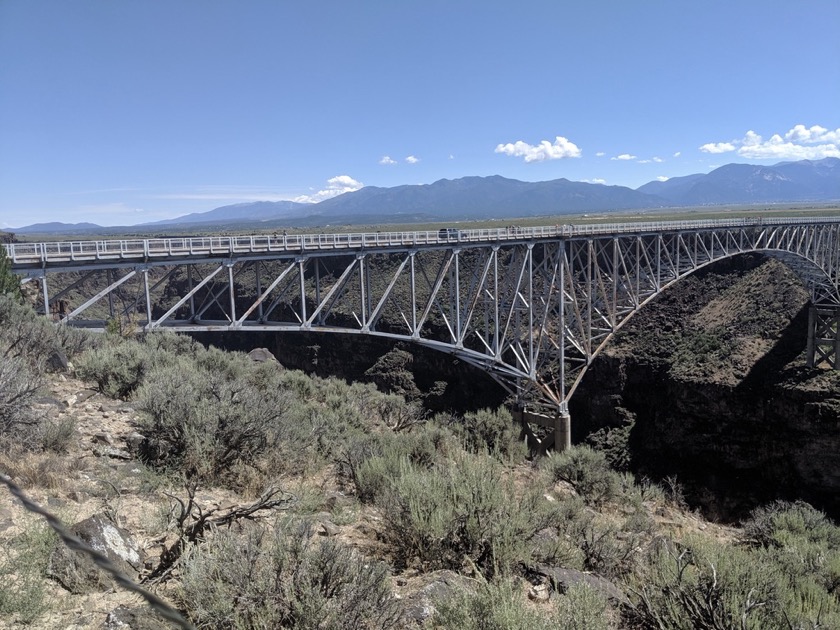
(532, 368)
(46, 294)
(413, 297)
(111, 294)
(496, 349)
(231, 292)
(148, 298)
(614, 309)
(562, 340)
(259, 292)
(363, 288)
(457, 254)
(301, 262)
(318, 287)
(589, 308)
(658, 238)
(192, 298)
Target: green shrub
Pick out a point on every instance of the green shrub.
(581, 607)
(118, 368)
(285, 578)
(588, 473)
(203, 423)
(461, 509)
(58, 435)
(172, 343)
(19, 384)
(614, 443)
(23, 563)
(781, 523)
(494, 432)
(802, 541)
(33, 338)
(371, 462)
(27, 341)
(706, 585)
(9, 282)
(501, 605)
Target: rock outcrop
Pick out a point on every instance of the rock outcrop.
(711, 379)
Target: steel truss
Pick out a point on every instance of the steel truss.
(531, 308)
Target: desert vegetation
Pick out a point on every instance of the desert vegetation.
(266, 498)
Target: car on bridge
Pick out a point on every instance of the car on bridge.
(449, 234)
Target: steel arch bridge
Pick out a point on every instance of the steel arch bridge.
(531, 306)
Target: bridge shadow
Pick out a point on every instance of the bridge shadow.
(772, 366)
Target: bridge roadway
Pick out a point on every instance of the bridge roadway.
(532, 306)
(30, 256)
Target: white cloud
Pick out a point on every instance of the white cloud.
(644, 161)
(662, 178)
(600, 154)
(624, 157)
(596, 180)
(677, 154)
(387, 160)
(717, 147)
(816, 134)
(545, 150)
(412, 160)
(451, 157)
(335, 186)
(658, 160)
(799, 143)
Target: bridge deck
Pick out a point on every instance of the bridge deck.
(36, 255)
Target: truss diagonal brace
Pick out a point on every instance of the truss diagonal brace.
(100, 295)
(184, 299)
(264, 295)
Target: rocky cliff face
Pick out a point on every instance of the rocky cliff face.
(460, 387)
(711, 382)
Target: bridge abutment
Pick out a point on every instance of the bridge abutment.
(823, 336)
(561, 424)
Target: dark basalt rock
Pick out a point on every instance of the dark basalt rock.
(737, 430)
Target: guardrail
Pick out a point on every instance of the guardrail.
(28, 254)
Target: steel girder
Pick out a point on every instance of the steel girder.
(533, 312)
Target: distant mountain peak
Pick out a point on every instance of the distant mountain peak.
(497, 197)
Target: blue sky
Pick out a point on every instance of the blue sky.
(121, 112)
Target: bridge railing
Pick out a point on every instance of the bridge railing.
(23, 254)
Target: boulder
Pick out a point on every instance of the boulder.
(261, 355)
(78, 573)
(561, 579)
(57, 361)
(134, 441)
(125, 618)
(431, 589)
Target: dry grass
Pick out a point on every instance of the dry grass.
(41, 470)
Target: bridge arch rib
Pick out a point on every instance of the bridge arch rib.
(532, 306)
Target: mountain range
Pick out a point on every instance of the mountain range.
(497, 197)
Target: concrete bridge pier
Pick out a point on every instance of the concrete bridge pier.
(823, 336)
(562, 431)
(560, 439)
